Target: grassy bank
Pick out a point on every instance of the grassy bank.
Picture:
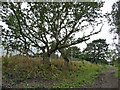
(117, 73)
(25, 72)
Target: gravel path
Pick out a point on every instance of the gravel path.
(106, 79)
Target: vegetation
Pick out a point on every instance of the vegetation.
(47, 27)
(23, 71)
(39, 30)
(114, 21)
(117, 73)
(73, 52)
(113, 56)
(97, 51)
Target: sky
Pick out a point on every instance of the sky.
(104, 34)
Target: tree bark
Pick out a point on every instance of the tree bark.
(64, 55)
(46, 58)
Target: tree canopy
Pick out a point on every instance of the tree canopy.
(73, 52)
(97, 51)
(116, 15)
(114, 21)
(47, 27)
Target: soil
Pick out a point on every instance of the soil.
(106, 79)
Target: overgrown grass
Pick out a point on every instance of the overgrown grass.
(85, 74)
(117, 73)
(23, 71)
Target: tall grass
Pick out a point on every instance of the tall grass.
(20, 69)
(117, 73)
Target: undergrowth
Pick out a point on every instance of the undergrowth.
(23, 71)
(117, 73)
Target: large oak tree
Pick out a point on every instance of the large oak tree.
(47, 27)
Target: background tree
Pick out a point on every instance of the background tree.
(96, 51)
(42, 24)
(113, 56)
(54, 56)
(73, 52)
(114, 21)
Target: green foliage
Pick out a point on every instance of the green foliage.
(117, 73)
(97, 51)
(56, 86)
(42, 65)
(31, 28)
(73, 52)
(78, 78)
(116, 16)
(115, 21)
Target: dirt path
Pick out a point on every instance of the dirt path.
(106, 79)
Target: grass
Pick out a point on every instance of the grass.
(84, 76)
(27, 72)
(117, 73)
(0, 63)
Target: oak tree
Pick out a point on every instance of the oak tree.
(42, 28)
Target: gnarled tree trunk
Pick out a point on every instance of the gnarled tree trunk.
(46, 58)
(64, 55)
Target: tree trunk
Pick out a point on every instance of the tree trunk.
(64, 56)
(46, 58)
(7, 54)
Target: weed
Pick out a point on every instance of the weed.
(73, 76)
(117, 73)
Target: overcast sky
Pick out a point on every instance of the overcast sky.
(104, 34)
